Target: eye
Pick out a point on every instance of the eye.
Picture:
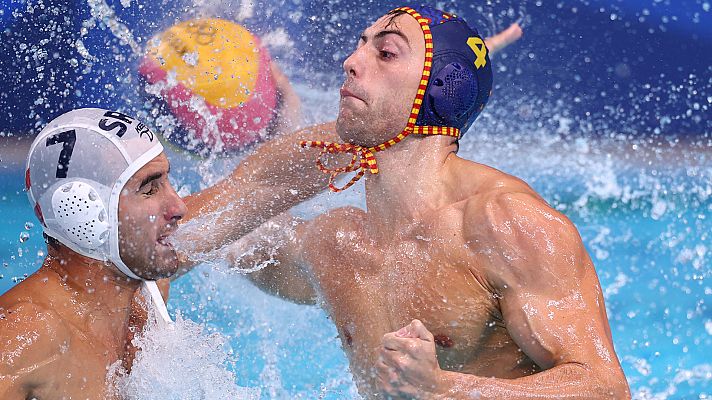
(151, 190)
(386, 55)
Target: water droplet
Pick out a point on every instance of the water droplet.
(29, 225)
(24, 236)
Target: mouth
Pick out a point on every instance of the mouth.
(347, 93)
(163, 239)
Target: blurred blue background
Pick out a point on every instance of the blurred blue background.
(62, 54)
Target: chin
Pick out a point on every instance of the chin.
(166, 267)
(351, 132)
(160, 273)
(158, 266)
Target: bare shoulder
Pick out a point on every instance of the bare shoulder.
(319, 234)
(31, 336)
(522, 233)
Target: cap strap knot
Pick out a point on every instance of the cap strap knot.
(362, 160)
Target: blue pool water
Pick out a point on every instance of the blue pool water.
(645, 216)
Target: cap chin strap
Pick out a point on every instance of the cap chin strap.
(363, 159)
(157, 298)
(151, 287)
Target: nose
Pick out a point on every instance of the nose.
(352, 64)
(175, 207)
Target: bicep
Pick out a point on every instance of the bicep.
(550, 297)
(553, 308)
(272, 258)
(554, 326)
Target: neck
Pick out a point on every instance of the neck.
(99, 285)
(411, 179)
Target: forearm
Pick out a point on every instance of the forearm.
(565, 381)
(276, 177)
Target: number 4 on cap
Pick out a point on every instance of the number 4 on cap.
(478, 47)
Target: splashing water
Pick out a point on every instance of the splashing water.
(179, 361)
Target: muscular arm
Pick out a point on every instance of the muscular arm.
(267, 183)
(551, 303)
(275, 177)
(271, 258)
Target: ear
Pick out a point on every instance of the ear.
(451, 95)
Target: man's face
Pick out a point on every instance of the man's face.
(149, 210)
(382, 78)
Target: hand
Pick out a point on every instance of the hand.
(289, 112)
(407, 365)
(504, 38)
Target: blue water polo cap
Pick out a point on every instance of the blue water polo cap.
(460, 82)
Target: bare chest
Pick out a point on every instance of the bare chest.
(375, 288)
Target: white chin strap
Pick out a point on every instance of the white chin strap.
(115, 255)
(83, 219)
(157, 298)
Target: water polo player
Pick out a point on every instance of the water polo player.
(459, 281)
(98, 182)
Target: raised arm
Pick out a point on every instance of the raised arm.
(270, 181)
(552, 306)
(276, 176)
(503, 39)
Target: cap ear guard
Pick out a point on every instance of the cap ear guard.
(451, 97)
(81, 214)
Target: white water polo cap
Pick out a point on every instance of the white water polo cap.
(76, 170)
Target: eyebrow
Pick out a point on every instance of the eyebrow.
(153, 177)
(150, 178)
(385, 33)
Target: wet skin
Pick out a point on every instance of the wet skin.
(65, 325)
(507, 299)
(62, 327)
(500, 280)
